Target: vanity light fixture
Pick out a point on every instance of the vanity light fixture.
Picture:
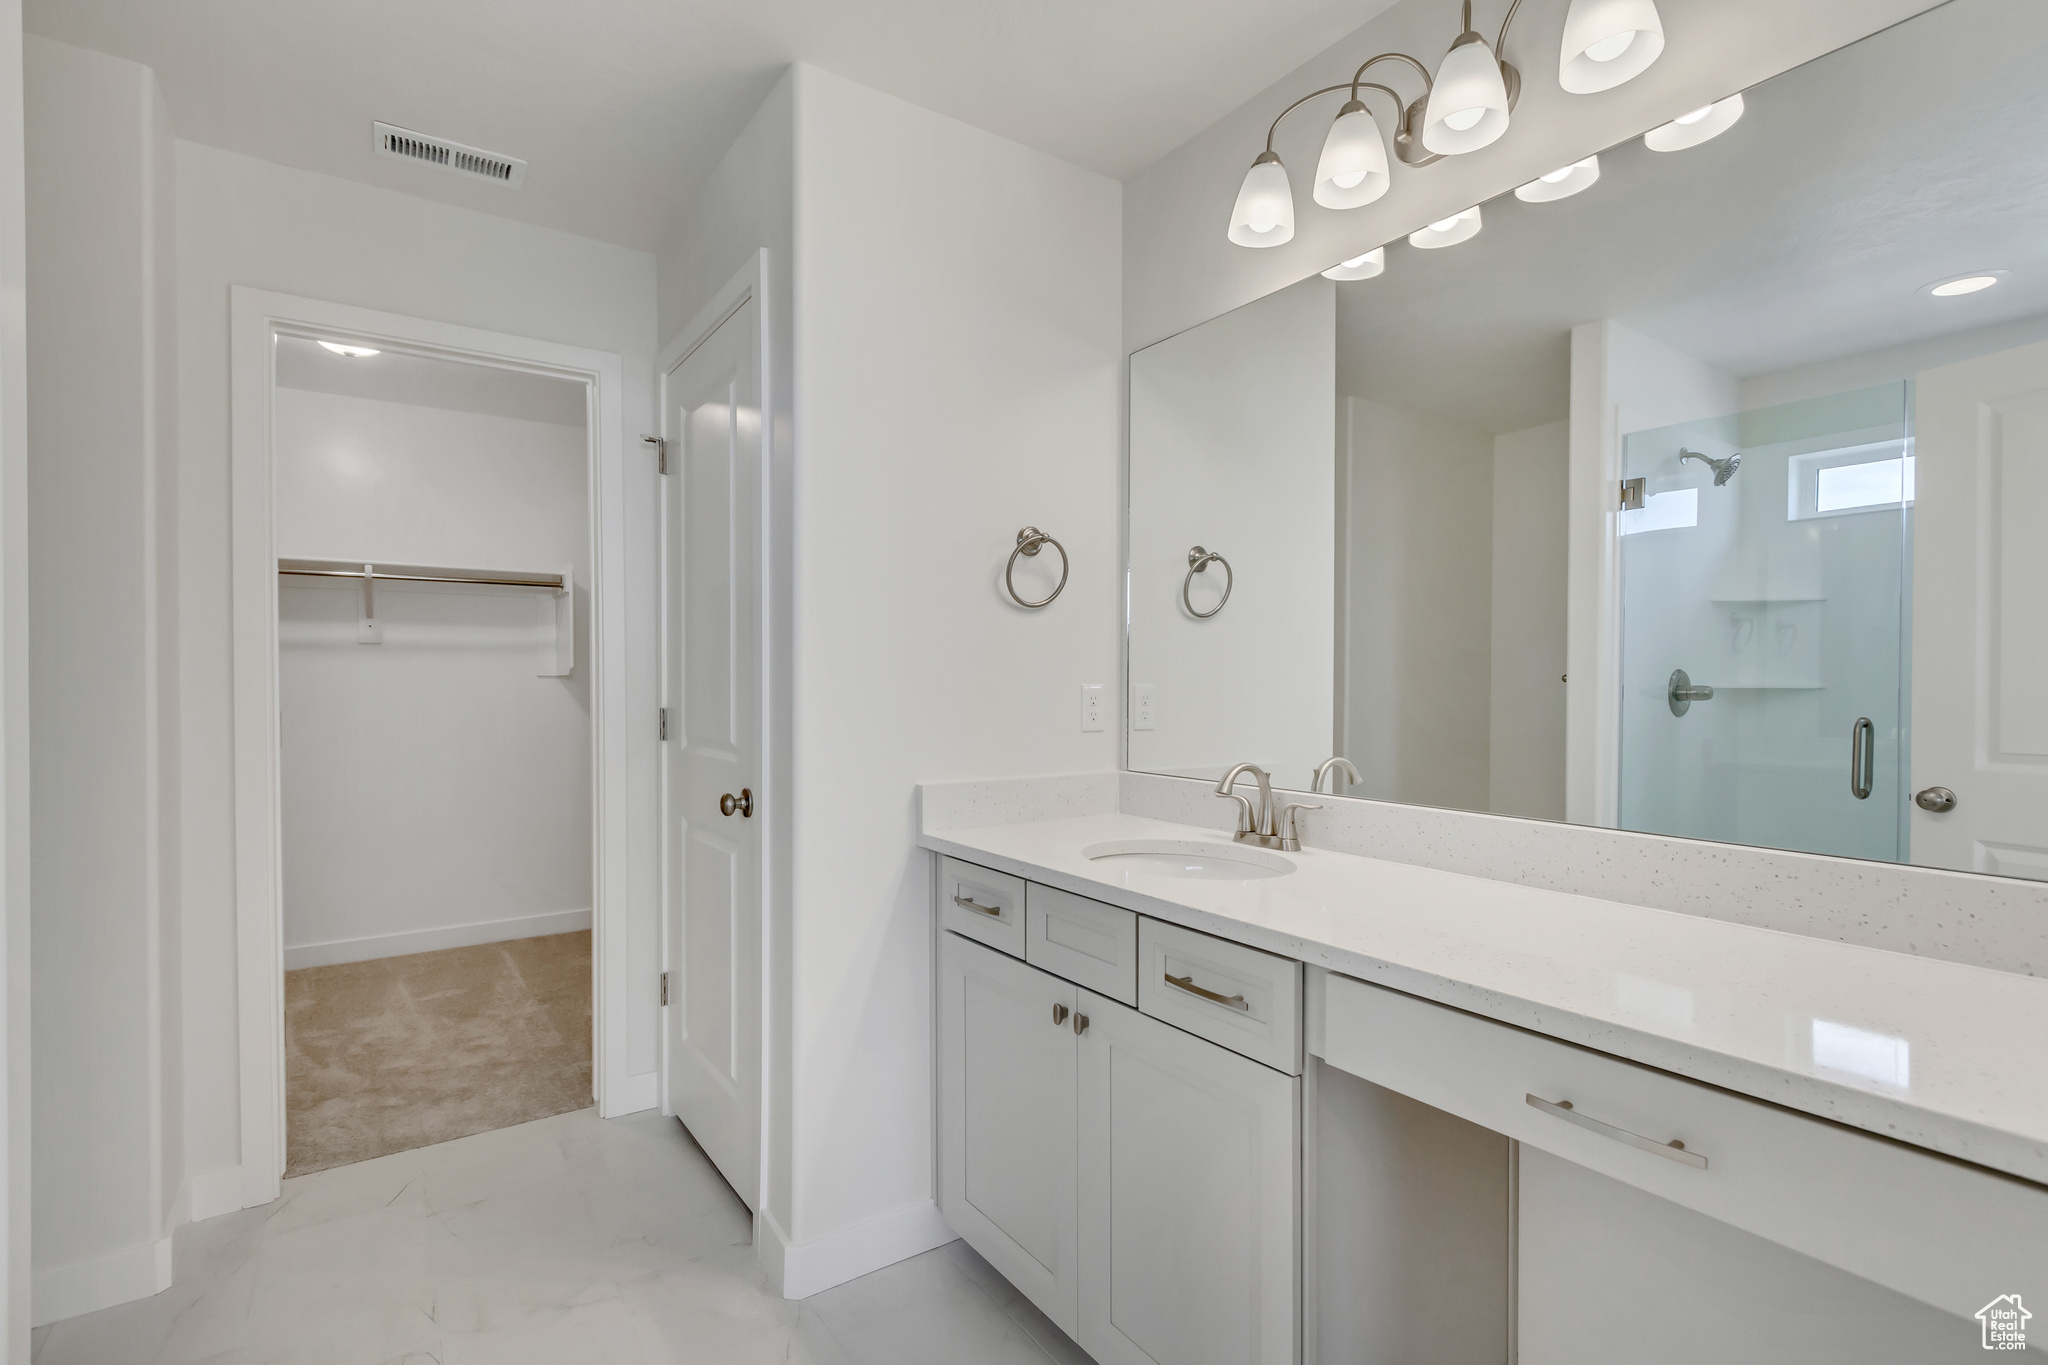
(1690, 130)
(1359, 267)
(1607, 42)
(1459, 227)
(1463, 107)
(1264, 213)
(352, 352)
(1965, 284)
(1562, 183)
(1473, 91)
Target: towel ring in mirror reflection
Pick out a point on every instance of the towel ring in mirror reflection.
(1029, 541)
(1199, 561)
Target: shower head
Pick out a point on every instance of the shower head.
(1724, 470)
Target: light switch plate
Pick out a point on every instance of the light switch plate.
(1141, 707)
(1091, 706)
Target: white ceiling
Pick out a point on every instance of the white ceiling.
(430, 382)
(623, 107)
(1802, 234)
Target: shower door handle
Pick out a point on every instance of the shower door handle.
(1862, 757)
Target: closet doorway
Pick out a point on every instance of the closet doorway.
(424, 644)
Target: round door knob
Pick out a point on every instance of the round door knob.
(1936, 799)
(743, 803)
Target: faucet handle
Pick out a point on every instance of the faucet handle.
(1290, 834)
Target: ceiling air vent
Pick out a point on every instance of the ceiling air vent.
(454, 157)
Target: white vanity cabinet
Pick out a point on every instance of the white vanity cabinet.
(1190, 1178)
(1007, 1093)
(1140, 1184)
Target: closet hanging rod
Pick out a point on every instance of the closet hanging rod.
(416, 573)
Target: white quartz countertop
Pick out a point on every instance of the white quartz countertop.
(1943, 1056)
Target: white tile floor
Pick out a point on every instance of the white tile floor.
(569, 1241)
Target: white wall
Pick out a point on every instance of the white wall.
(14, 700)
(244, 221)
(1233, 448)
(102, 447)
(1179, 269)
(957, 377)
(1525, 765)
(746, 205)
(1890, 364)
(1420, 606)
(436, 789)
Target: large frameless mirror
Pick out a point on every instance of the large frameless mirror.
(1697, 488)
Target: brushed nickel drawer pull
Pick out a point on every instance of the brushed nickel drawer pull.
(1080, 1024)
(966, 904)
(1059, 1014)
(1187, 983)
(1673, 1149)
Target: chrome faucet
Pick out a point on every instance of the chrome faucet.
(1260, 826)
(1350, 774)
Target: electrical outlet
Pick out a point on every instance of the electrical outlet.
(1141, 707)
(1091, 706)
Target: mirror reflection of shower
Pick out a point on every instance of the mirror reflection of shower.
(1724, 470)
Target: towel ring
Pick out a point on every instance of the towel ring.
(1029, 541)
(1199, 561)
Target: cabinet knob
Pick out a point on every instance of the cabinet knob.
(1059, 1014)
(1080, 1024)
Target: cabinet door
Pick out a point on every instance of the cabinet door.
(1006, 1119)
(1190, 1198)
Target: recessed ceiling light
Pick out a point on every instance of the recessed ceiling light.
(352, 352)
(1359, 267)
(1966, 284)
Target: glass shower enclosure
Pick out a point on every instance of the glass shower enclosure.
(1765, 660)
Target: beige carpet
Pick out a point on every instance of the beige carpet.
(402, 1052)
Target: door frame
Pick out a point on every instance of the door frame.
(749, 282)
(256, 316)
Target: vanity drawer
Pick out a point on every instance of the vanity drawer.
(1085, 941)
(1946, 1233)
(1244, 999)
(985, 906)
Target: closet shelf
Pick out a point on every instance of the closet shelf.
(369, 631)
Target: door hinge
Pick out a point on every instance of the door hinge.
(664, 988)
(1632, 495)
(664, 722)
(660, 453)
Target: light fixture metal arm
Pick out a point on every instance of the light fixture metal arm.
(1428, 81)
(1275, 127)
(1500, 43)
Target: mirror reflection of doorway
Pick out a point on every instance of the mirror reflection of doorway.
(435, 747)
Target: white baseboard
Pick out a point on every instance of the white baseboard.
(802, 1269)
(631, 1095)
(122, 1276)
(433, 940)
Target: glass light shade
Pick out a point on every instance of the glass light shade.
(1264, 213)
(1607, 42)
(1353, 170)
(1690, 130)
(1562, 183)
(1359, 267)
(1468, 105)
(1448, 232)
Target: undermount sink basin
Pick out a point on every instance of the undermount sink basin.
(1190, 859)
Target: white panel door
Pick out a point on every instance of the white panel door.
(1006, 1119)
(1190, 1197)
(1980, 613)
(712, 758)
